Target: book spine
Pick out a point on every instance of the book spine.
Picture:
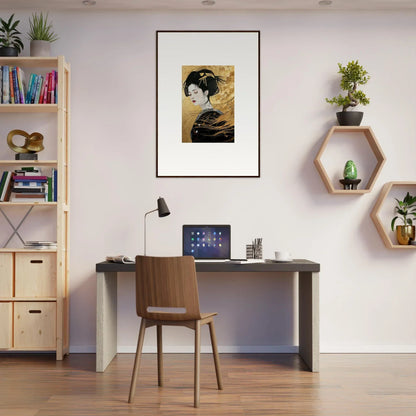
(39, 87)
(1, 84)
(6, 92)
(50, 88)
(9, 185)
(20, 75)
(3, 179)
(11, 85)
(45, 92)
(30, 88)
(55, 185)
(53, 87)
(5, 186)
(15, 86)
(19, 178)
(49, 189)
(35, 87)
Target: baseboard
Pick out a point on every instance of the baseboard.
(368, 349)
(262, 349)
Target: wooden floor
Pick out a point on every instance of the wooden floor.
(254, 384)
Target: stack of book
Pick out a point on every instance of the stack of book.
(29, 185)
(41, 89)
(40, 245)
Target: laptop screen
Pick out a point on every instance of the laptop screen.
(207, 241)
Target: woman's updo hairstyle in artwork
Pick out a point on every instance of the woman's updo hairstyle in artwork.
(204, 79)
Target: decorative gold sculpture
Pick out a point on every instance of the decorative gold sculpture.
(33, 142)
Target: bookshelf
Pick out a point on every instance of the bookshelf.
(34, 284)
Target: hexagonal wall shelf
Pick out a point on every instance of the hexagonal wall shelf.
(363, 132)
(375, 213)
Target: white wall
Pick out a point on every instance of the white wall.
(366, 291)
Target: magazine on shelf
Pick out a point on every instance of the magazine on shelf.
(120, 259)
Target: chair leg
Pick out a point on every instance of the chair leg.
(197, 362)
(215, 353)
(137, 360)
(159, 355)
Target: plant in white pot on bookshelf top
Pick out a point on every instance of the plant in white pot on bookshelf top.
(406, 209)
(41, 35)
(353, 75)
(10, 42)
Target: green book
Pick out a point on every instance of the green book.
(3, 181)
(49, 189)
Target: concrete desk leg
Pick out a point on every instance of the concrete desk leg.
(309, 319)
(106, 339)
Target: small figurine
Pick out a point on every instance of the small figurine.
(350, 180)
(33, 144)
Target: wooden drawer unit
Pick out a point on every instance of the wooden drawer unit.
(35, 275)
(34, 325)
(6, 275)
(6, 325)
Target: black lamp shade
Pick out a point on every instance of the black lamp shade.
(162, 208)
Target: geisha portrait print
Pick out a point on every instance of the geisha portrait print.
(207, 102)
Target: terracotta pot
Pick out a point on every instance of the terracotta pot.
(405, 233)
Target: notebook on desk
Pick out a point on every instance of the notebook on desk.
(207, 242)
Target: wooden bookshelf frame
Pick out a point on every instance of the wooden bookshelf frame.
(61, 111)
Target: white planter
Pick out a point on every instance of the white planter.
(40, 48)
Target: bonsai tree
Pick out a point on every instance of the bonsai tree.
(353, 75)
(41, 29)
(406, 210)
(9, 35)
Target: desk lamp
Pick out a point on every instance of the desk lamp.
(163, 211)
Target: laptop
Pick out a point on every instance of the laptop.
(207, 242)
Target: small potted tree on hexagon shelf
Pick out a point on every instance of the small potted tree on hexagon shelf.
(353, 75)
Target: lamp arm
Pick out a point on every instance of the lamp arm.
(144, 228)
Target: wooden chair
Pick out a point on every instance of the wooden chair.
(167, 294)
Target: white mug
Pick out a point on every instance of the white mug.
(282, 255)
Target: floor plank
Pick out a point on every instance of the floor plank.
(254, 385)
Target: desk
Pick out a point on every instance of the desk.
(308, 272)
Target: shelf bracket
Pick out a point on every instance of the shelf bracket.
(15, 229)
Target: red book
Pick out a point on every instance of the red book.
(45, 90)
(30, 178)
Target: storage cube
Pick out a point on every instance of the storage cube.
(6, 323)
(6, 275)
(35, 325)
(35, 275)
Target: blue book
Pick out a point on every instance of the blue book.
(15, 86)
(6, 88)
(30, 88)
(55, 185)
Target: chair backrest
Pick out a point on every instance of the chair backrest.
(167, 282)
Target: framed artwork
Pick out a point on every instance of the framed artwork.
(208, 104)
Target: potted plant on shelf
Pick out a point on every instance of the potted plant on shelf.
(41, 35)
(353, 75)
(406, 210)
(10, 42)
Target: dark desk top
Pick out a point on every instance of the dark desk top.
(297, 265)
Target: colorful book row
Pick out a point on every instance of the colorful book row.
(40, 89)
